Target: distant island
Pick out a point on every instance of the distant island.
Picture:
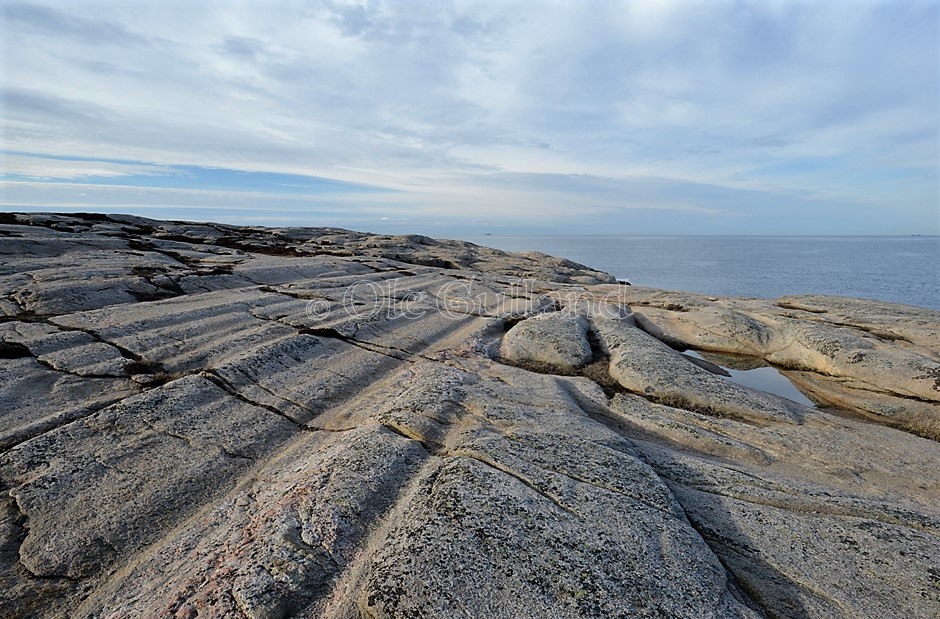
(207, 420)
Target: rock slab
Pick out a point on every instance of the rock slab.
(201, 420)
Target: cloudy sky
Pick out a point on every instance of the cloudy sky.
(635, 117)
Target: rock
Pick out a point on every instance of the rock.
(74, 352)
(280, 543)
(915, 416)
(151, 459)
(644, 365)
(864, 359)
(35, 398)
(902, 324)
(215, 421)
(783, 505)
(554, 339)
(517, 459)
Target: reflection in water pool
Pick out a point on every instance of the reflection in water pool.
(753, 372)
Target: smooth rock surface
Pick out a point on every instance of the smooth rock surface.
(867, 351)
(554, 339)
(202, 420)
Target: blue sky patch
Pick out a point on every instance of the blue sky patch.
(189, 177)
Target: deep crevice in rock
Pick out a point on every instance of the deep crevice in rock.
(381, 349)
(220, 382)
(14, 350)
(648, 327)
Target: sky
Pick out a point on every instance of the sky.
(815, 117)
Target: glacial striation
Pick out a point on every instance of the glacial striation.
(203, 420)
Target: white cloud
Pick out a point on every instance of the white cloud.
(45, 168)
(430, 98)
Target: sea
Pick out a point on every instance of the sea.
(899, 269)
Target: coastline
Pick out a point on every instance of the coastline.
(893, 269)
(218, 420)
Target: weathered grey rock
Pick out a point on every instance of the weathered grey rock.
(858, 354)
(808, 517)
(74, 352)
(201, 420)
(35, 398)
(916, 416)
(555, 339)
(646, 366)
(150, 460)
(277, 545)
(516, 457)
(902, 324)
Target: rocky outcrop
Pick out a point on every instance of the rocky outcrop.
(875, 358)
(553, 339)
(205, 420)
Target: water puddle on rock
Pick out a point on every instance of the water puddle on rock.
(755, 373)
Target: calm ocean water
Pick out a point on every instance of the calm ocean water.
(898, 269)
